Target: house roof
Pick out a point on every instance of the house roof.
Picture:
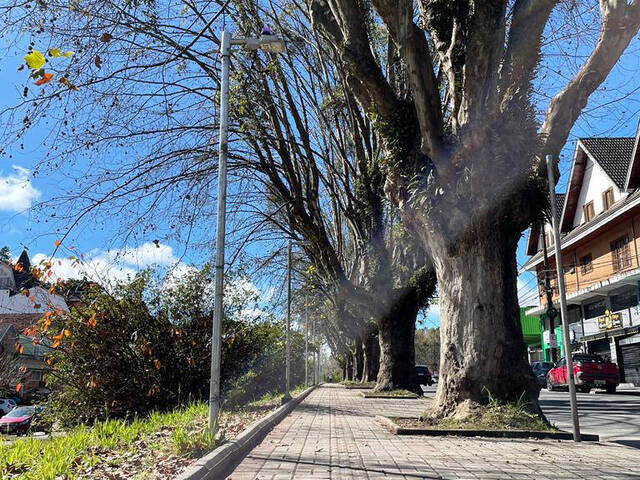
(559, 205)
(534, 233)
(613, 154)
(23, 278)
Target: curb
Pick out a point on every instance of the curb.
(398, 430)
(217, 463)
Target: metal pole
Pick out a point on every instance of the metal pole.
(306, 347)
(313, 354)
(563, 303)
(216, 329)
(287, 395)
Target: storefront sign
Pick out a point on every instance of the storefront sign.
(609, 321)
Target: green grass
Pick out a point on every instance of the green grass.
(390, 393)
(178, 434)
(352, 384)
(494, 416)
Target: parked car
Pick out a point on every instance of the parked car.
(6, 405)
(424, 375)
(589, 371)
(22, 419)
(540, 370)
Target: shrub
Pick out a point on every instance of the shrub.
(146, 346)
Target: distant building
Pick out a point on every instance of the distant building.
(532, 334)
(599, 220)
(23, 301)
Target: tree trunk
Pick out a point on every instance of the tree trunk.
(482, 351)
(365, 358)
(397, 350)
(358, 359)
(372, 348)
(349, 368)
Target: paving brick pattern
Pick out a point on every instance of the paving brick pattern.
(332, 434)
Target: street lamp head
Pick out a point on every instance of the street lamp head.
(271, 43)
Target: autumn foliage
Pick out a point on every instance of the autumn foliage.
(145, 346)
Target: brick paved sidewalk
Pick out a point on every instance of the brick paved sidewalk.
(332, 435)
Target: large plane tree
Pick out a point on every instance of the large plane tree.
(465, 153)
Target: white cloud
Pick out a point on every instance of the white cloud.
(98, 269)
(16, 191)
(111, 266)
(145, 255)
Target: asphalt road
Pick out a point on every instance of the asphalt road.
(616, 418)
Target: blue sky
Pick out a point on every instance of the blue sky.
(613, 110)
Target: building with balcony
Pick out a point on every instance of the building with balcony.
(599, 218)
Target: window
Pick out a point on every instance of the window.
(586, 264)
(625, 299)
(607, 198)
(587, 359)
(620, 253)
(589, 213)
(594, 309)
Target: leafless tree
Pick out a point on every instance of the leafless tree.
(465, 153)
(319, 159)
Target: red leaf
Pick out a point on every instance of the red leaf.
(46, 78)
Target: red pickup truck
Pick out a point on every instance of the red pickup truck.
(589, 371)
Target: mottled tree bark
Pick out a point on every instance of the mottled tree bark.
(373, 356)
(396, 333)
(482, 347)
(358, 359)
(348, 372)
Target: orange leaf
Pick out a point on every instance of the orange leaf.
(56, 343)
(157, 363)
(49, 360)
(56, 243)
(18, 387)
(45, 324)
(92, 320)
(46, 78)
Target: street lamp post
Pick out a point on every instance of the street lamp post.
(566, 341)
(306, 347)
(287, 395)
(269, 43)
